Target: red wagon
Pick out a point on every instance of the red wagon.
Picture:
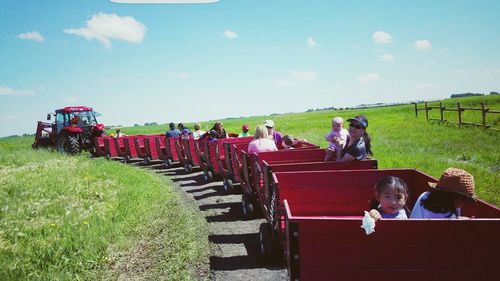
(213, 154)
(132, 152)
(226, 161)
(170, 152)
(251, 171)
(324, 241)
(98, 146)
(143, 149)
(188, 146)
(151, 149)
(110, 147)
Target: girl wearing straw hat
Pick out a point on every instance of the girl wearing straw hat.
(445, 200)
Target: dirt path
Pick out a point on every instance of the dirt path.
(233, 240)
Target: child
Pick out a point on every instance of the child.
(287, 141)
(391, 194)
(185, 133)
(197, 131)
(454, 188)
(244, 131)
(337, 138)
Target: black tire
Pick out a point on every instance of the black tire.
(208, 175)
(188, 168)
(126, 159)
(68, 144)
(108, 156)
(228, 186)
(168, 163)
(147, 160)
(265, 242)
(247, 206)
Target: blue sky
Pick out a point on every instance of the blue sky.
(138, 63)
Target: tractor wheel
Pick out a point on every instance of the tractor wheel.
(246, 206)
(68, 144)
(208, 175)
(188, 168)
(228, 186)
(168, 163)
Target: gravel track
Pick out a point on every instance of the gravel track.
(233, 240)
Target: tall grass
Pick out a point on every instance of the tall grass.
(74, 218)
(402, 141)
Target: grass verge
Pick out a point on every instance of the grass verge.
(73, 218)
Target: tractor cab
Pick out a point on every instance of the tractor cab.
(73, 130)
(81, 119)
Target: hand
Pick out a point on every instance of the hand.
(375, 214)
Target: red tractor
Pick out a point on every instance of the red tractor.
(73, 130)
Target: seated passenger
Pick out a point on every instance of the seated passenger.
(288, 141)
(197, 131)
(261, 142)
(358, 145)
(244, 131)
(119, 134)
(173, 132)
(272, 133)
(391, 194)
(219, 131)
(185, 133)
(454, 188)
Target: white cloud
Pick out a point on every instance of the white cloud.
(69, 99)
(305, 75)
(461, 72)
(183, 75)
(34, 35)
(387, 57)
(7, 91)
(368, 78)
(106, 27)
(381, 37)
(491, 71)
(311, 43)
(165, 1)
(443, 51)
(423, 45)
(282, 83)
(231, 34)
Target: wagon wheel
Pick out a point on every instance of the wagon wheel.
(126, 159)
(247, 206)
(228, 186)
(168, 163)
(208, 175)
(147, 160)
(188, 168)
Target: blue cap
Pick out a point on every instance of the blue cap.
(361, 119)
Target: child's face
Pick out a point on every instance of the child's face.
(336, 126)
(391, 201)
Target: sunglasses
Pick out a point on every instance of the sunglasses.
(269, 127)
(357, 126)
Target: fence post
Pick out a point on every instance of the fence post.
(441, 110)
(426, 112)
(416, 110)
(459, 110)
(483, 112)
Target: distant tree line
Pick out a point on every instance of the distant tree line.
(471, 95)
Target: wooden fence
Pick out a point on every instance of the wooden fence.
(459, 109)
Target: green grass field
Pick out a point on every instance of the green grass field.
(75, 218)
(78, 218)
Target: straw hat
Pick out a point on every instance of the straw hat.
(456, 181)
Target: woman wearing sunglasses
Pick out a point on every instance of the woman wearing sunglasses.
(358, 145)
